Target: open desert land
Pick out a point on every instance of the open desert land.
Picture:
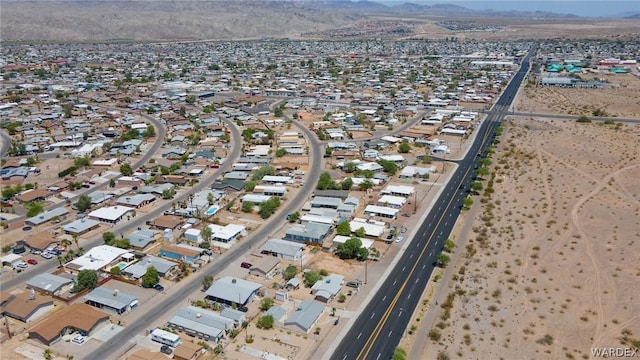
(550, 266)
(621, 98)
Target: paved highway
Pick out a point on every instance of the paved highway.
(377, 331)
(114, 346)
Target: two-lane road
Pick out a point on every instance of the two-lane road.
(379, 328)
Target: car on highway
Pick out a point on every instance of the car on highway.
(46, 255)
(32, 261)
(399, 239)
(22, 265)
(79, 339)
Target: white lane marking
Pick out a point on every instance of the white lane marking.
(359, 335)
(372, 314)
(384, 298)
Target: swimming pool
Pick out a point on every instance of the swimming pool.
(212, 210)
(122, 266)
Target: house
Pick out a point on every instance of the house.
(167, 222)
(236, 175)
(174, 152)
(33, 195)
(49, 284)
(101, 257)
(391, 201)
(80, 226)
(308, 233)
(111, 300)
(26, 306)
(200, 323)
(39, 241)
(371, 228)
(47, 216)
(255, 198)
(140, 239)
(398, 190)
(264, 267)
(274, 179)
(188, 351)
(381, 211)
(304, 318)
(82, 318)
(135, 201)
(283, 249)
(327, 288)
(413, 171)
(137, 270)
(112, 214)
(178, 253)
(325, 202)
(279, 191)
(232, 291)
(319, 219)
(340, 194)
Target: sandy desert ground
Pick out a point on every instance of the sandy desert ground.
(550, 268)
(621, 99)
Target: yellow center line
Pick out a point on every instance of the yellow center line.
(376, 331)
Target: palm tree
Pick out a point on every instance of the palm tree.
(60, 260)
(75, 240)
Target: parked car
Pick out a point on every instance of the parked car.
(404, 230)
(46, 255)
(336, 322)
(390, 236)
(32, 261)
(400, 238)
(22, 265)
(165, 349)
(19, 250)
(159, 287)
(246, 265)
(79, 339)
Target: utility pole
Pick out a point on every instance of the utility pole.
(365, 271)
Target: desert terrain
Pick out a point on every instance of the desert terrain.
(549, 267)
(620, 99)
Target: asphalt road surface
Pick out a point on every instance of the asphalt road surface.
(379, 328)
(114, 346)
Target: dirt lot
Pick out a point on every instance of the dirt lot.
(551, 265)
(622, 99)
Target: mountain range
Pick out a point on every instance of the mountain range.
(148, 20)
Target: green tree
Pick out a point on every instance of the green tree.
(325, 182)
(467, 202)
(476, 186)
(115, 270)
(281, 152)
(443, 259)
(126, 170)
(360, 232)
(350, 249)
(399, 354)
(346, 184)
(290, 272)
(87, 279)
(207, 282)
(149, 132)
(250, 185)
(293, 217)
(262, 172)
(247, 206)
(34, 208)
(343, 229)
(210, 198)
(112, 183)
(583, 119)
(269, 207)
(311, 277)
(191, 99)
(150, 277)
(404, 148)
(123, 243)
(266, 303)
(483, 172)
(206, 233)
(108, 237)
(388, 166)
(365, 185)
(449, 245)
(265, 322)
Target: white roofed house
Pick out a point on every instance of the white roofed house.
(398, 190)
(381, 211)
(391, 201)
(256, 198)
(304, 318)
(201, 323)
(112, 214)
(102, 257)
(137, 270)
(409, 172)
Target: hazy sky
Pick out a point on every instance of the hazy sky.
(604, 8)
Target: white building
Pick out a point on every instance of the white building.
(112, 214)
